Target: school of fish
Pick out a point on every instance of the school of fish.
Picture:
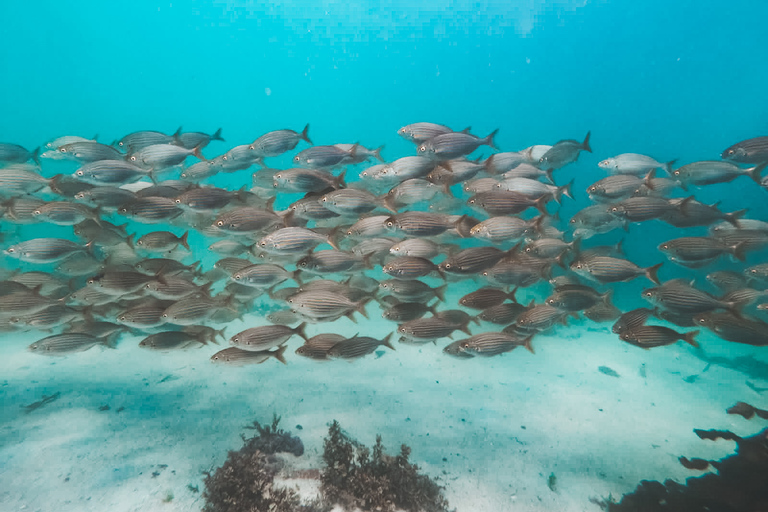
(344, 230)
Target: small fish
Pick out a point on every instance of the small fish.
(171, 340)
(162, 241)
(293, 240)
(680, 296)
(277, 142)
(67, 343)
(15, 154)
(608, 371)
(632, 319)
(421, 132)
(317, 347)
(486, 297)
(453, 145)
(750, 151)
(712, 172)
(358, 346)
(649, 336)
(88, 151)
(502, 314)
(110, 172)
(138, 140)
(162, 156)
(700, 248)
(633, 164)
(577, 297)
(234, 356)
(490, 344)
(324, 157)
(45, 400)
(45, 250)
(192, 140)
(606, 269)
(266, 337)
(734, 328)
(564, 153)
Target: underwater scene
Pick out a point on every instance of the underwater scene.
(448, 255)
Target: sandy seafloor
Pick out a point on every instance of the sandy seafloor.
(490, 430)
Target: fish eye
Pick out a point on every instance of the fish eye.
(422, 148)
(177, 201)
(133, 159)
(296, 159)
(122, 318)
(79, 173)
(36, 212)
(220, 223)
(235, 339)
(676, 173)
(263, 244)
(390, 223)
(648, 294)
(62, 150)
(664, 246)
(730, 151)
(225, 158)
(165, 315)
(447, 265)
(753, 271)
(237, 277)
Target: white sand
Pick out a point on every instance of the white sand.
(503, 424)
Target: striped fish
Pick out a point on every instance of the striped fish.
(502, 314)
(110, 172)
(502, 229)
(735, 328)
(15, 154)
(293, 240)
(420, 223)
(45, 250)
(246, 219)
(191, 140)
(501, 202)
(750, 151)
(139, 140)
(632, 319)
(486, 297)
(426, 330)
(18, 180)
(540, 317)
(142, 317)
(171, 340)
(66, 343)
(680, 297)
(321, 157)
(410, 267)
(151, 209)
(234, 356)
(474, 260)
(322, 304)
(453, 145)
(358, 346)
(606, 269)
(89, 151)
(649, 336)
(162, 156)
(421, 132)
(277, 142)
(307, 180)
(490, 344)
(266, 336)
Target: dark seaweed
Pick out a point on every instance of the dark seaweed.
(272, 440)
(372, 480)
(738, 486)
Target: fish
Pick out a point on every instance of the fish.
(307, 180)
(727, 280)
(412, 290)
(17, 181)
(322, 157)
(266, 337)
(503, 229)
(711, 172)
(564, 153)
(607, 269)
(191, 140)
(502, 314)
(595, 219)
(486, 297)
(632, 319)
(502, 202)
(750, 151)
(577, 297)
(110, 172)
(321, 305)
(640, 209)
(45, 250)
(361, 153)
(734, 328)
(499, 163)
(88, 151)
(162, 241)
(700, 248)
(171, 340)
(406, 311)
(494, 343)
(474, 260)
(317, 347)
(681, 297)
(428, 330)
(293, 240)
(411, 267)
(162, 156)
(234, 356)
(358, 346)
(535, 189)
(421, 132)
(351, 201)
(634, 164)
(141, 139)
(447, 146)
(15, 154)
(67, 343)
(649, 336)
(277, 142)
(618, 187)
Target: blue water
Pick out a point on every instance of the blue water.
(677, 80)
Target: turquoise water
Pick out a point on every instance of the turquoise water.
(680, 81)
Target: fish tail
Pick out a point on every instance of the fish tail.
(527, 344)
(377, 153)
(206, 289)
(739, 249)
(755, 172)
(300, 330)
(304, 135)
(278, 354)
(548, 173)
(217, 136)
(488, 164)
(388, 202)
(648, 180)
(386, 341)
(541, 205)
(183, 240)
(585, 144)
(111, 340)
(489, 139)
(566, 190)
(177, 137)
(465, 328)
(668, 167)
(197, 152)
(332, 238)
(607, 297)
(652, 273)
(733, 217)
(129, 240)
(360, 307)
(339, 182)
(511, 295)
(689, 337)
(367, 263)
(36, 155)
(440, 292)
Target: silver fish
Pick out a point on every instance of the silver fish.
(453, 145)
(277, 142)
(633, 164)
(67, 343)
(564, 153)
(266, 337)
(234, 356)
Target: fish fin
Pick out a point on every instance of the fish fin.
(652, 273)
(183, 240)
(304, 135)
(488, 164)
(648, 177)
(585, 144)
(739, 249)
(465, 329)
(386, 341)
(339, 182)
(440, 292)
(733, 217)
(527, 344)
(511, 295)
(620, 247)
(566, 190)
(129, 240)
(333, 238)
(388, 202)
(541, 205)
(668, 167)
(466, 130)
(755, 172)
(197, 153)
(607, 296)
(360, 307)
(36, 156)
(217, 135)
(278, 354)
(300, 330)
(576, 247)
(377, 153)
(689, 337)
(548, 173)
(447, 189)
(111, 340)
(489, 139)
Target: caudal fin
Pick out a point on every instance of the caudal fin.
(304, 135)
(689, 337)
(488, 141)
(652, 273)
(197, 152)
(300, 330)
(36, 156)
(183, 240)
(585, 144)
(377, 153)
(217, 135)
(386, 341)
(755, 172)
(733, 217)
(278, 354)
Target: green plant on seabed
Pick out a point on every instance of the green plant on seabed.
(355, 477)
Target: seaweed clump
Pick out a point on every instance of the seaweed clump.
(245, 483)
(355, 476)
